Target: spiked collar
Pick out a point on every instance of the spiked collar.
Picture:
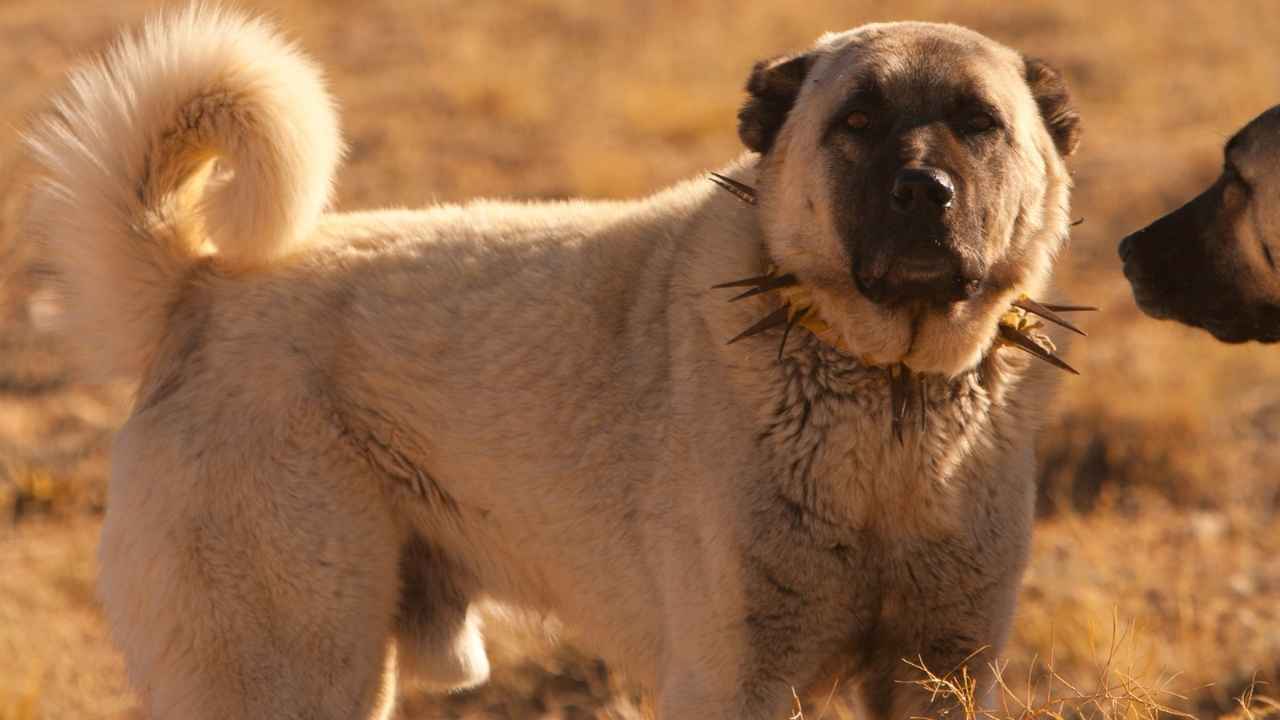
(1017, 328)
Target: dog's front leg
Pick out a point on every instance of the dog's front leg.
(715, 664)
(746, 675)
(713, 693)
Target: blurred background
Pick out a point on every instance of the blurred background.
(1156, 566)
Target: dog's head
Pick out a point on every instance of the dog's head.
(912, 177)
(1213, 263)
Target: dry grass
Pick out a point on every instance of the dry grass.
(1159, 494)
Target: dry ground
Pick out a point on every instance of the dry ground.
(1160, 498)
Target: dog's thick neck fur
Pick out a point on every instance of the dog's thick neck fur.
(812, 400)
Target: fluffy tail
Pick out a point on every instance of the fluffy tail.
(131, 196)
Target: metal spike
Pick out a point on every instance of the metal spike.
(773, 319)
(743, 192)
(1024, 342)
(791, 322)
(745, 282)
(778, 282)
(1071, 308)
(1036, 308)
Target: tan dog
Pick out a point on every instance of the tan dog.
(1212, 263)
(352, 427)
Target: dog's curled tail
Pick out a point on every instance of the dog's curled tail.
(204, 133)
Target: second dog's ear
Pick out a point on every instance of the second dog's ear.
(773, 86)
(1056, 108)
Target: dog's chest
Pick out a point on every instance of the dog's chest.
(877, 542)
(834, 450)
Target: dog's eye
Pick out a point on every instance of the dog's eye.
(858, 120)
(980, 122)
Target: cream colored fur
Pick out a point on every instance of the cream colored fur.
(351, 428)
(131, 146)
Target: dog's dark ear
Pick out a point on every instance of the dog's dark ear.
(1059, 114)
(773, 86)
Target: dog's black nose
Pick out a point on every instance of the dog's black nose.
(922, 189)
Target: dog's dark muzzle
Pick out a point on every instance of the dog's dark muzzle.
(916, 259)
(929, 273)
(1166, 263)
(1175, 274)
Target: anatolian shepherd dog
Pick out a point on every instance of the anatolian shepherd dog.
(1212, 262)
(351, 428)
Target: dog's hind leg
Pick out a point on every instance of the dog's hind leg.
(249, 573)
(438, 637)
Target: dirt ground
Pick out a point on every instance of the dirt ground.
(1157, 555)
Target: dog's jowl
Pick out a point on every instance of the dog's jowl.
(352, 428)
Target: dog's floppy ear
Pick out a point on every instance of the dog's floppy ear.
(1059, 114)
(774, 85)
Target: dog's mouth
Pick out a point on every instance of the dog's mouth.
(1147, 298)
(916, 273)
(1017, 327)
(922, 284)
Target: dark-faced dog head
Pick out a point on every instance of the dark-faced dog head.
(1212, 263)
(912, 175)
